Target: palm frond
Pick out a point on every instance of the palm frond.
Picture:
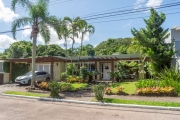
(23, 3)
(19, 23)
(44, 32)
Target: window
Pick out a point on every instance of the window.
(1, 66)
(43, 67)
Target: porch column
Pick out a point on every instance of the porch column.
(52, 70)
(96, 69)
(112, 64)
(10, 74)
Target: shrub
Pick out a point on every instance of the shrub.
(171, 74)
(157, 91)
(99, 91)
(43, 85)
(54, 89)
(119, 90)
(65, 86)
(108, 91)
(147, 83)
(73, 79)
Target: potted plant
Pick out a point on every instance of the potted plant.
(112, 75)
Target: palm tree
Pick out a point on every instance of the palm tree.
(64, 33)
(73, 26)
(39, 19)
(84, 28)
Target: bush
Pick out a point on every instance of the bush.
(73, 79)
(171, 74)
(99, 91)
(157, 91)
(65, 86)
(119, 90)
(147, 83)
(43, 85)
(54, 89)
(108, 91)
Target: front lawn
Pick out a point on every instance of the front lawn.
(27, 94)
(72, 86)
(137, 102)
(129, 87)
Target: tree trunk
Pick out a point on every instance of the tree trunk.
(80, 50)
(66, 55)
(33, 60)
(71, 58)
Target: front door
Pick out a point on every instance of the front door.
(106, 67)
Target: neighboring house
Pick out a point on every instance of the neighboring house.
(4, 77)
(175, 37)
(55, 65)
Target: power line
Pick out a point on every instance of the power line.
(120, 8)
(131, 18)
(96, 22)
(141, 10)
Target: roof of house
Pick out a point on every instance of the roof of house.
(82, 58)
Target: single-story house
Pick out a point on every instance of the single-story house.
(56, 65)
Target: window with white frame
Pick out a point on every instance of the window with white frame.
(43, 67)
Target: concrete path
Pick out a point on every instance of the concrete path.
(28, 109)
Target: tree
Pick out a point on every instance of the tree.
(73, 26)
(84, 29)
(52, 50)
(20, 49)
(152, 38)
(39, 19)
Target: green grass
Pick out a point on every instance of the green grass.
(129, 87)
(79, 86)
(27, 94)
(151, 103)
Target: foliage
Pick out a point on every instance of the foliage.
(152, 39)
(43, 85)
(18, 69)
(112, 46)
(147, 83)
(119, 90)
(20, 49)
(6, 67)
(54, 89)
(99, 91)
(157, 91)
(73, 79)
(52, 50)
(140, 102)
(108, 91)
(65, 86)
(171, 74)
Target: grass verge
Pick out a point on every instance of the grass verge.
(27, 94)
(136, 102)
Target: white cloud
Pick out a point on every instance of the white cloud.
(154, 3)
(5, 41)
(150, 3)
(6, 14)
(139, 4)
(55, 40)
(27, 32)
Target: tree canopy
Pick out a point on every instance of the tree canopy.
(152, 39)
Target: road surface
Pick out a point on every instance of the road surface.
(28, 109)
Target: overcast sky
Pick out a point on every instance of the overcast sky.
(103, 30)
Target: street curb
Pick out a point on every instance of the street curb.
(97, 103)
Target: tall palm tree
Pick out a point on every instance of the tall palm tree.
(84, 28)
(73, 26)
(39, 19)
(64, 33)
